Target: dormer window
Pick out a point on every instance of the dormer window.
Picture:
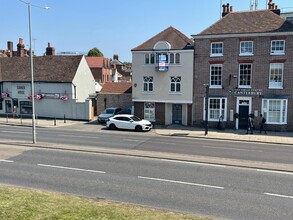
(277, 47)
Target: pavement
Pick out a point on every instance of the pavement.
(171, 130)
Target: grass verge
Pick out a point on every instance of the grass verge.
(28, 204)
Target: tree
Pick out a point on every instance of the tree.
(95, 52)
(127, 64)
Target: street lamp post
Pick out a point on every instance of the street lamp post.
(206, 108)
(32, 67)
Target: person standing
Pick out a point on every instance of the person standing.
(262, 124)
(250, 125)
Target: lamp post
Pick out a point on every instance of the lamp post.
(32, 67)
(206, 108)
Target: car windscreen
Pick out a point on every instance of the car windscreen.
(108, 111)
(135, 118)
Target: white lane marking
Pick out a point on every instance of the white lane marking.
(157, 142)
(180, 182)
(70, 168)
(193, 163)
(279, 195)
(228, 148)
(274, 171)
(7, 161)
(65, 135)
(153, 142)
(133, 140)
(16, 132)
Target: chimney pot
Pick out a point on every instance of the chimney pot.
(224, 8)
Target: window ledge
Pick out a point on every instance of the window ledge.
(148, 93)
(175, 93)
(273, 87)
(276, 54)
(216, 87)
(246, 54)
(244, 87)
(216, 55)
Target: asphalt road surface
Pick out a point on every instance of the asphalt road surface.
(205, 189)
(147, 141)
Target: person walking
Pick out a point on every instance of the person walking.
(250, 125)
(262, 124)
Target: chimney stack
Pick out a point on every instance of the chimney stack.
(273, 7)
(115, 57)
(9, 48)
(50, 51)
(226, 9)
(20, 48)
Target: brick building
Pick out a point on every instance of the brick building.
(246, 59)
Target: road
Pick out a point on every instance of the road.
(147, 141)
(205, 189)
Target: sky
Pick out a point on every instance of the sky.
(112, 26)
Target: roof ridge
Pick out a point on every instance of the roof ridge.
(153, 36)
(181, 35)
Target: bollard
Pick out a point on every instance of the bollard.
(55, 121)
(64, 118)
(6, 118)
(21, 119)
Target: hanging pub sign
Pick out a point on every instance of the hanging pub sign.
(162, 62)
(245, 92)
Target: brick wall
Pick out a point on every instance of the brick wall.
(260, 60)
(113, 100)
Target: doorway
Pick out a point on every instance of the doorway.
(8, 106)
(177, 114)
(244, 109)
(243, 116)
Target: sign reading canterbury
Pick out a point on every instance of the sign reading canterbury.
(245, 92)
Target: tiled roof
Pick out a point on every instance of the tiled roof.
(261, 21)
(116, 88)
(174, 37)
(95, 62)
(46, 69)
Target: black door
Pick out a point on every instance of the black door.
(243, 117)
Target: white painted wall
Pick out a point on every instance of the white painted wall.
(51, 105)
(162, 79)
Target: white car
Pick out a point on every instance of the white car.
(129, 122)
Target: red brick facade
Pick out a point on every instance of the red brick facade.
(231, 60)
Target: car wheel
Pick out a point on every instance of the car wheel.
(112, 126)
(138, 128)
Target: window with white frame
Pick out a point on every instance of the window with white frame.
(174, 58)
(276, 75)
(275, 110)
(148, 85)
(217, 49)
(277, 47)
(216, 75)
(246, 48)
(217, 109)
(149, 58)
(245, 75)
(175, 83)
(149, 111)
